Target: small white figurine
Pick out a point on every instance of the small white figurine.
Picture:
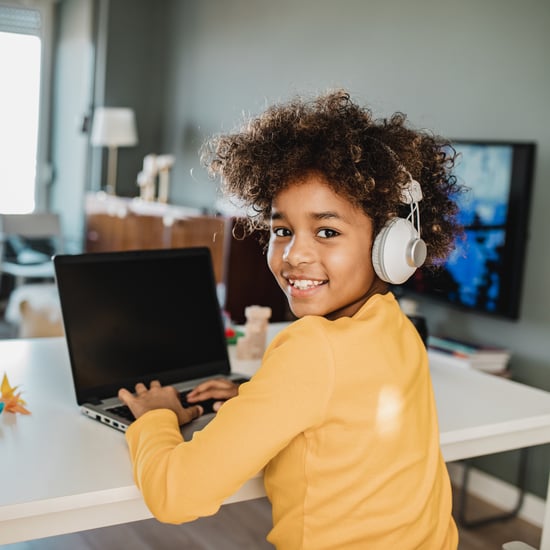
(146, 178)
(146, 186)
(153, 166)
(252, 344)
(164, 165)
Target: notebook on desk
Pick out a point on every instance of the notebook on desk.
(138, 316)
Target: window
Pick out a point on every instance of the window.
(24, 64)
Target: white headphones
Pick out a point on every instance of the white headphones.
(398, 250)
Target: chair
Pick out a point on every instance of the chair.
(27, 243)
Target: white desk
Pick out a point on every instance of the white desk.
(56, 479)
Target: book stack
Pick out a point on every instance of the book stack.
(490, 359)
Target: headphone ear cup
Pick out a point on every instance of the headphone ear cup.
(397, 251)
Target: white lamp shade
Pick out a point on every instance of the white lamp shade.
(114, 127)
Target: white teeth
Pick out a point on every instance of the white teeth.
(303, 284)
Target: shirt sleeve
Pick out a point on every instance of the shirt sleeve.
(182, 480)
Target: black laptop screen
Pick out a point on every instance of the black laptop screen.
(140, 315)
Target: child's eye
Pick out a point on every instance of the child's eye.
(281, 232)
(327, 233)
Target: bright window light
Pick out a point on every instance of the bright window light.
(19, 102)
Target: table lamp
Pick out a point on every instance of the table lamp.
(113, 127)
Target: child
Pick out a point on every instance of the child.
(341, 413)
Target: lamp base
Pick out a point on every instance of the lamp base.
(111, 170)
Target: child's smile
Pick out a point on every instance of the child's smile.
(305, 284)
(320, 250)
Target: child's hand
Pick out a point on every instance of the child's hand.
(158, 397)
(217, 388)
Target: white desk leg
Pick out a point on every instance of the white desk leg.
(545, 541)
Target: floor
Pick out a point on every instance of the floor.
(243, 526)
(492, 536)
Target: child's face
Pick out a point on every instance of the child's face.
(320, 250)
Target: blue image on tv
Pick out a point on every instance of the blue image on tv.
(488, 173)
(475, 266)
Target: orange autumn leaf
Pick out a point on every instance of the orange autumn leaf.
(12, 401)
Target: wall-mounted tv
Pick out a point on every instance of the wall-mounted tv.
(485, 270)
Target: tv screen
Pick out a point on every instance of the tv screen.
(484, 271)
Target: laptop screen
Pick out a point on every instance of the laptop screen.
(139, 316)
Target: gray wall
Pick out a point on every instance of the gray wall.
(135, 77)
(465, 69)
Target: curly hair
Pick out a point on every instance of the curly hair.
(363, 159)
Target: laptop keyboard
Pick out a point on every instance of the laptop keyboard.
(207, 405)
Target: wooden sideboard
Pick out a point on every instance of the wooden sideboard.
(117, 223)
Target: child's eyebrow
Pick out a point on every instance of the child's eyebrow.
(327, 215)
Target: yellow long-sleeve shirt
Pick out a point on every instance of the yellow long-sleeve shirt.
(342, 417)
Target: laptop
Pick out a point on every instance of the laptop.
(138, 316)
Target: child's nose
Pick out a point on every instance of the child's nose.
(297, 252)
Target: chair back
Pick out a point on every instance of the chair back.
(40, 225)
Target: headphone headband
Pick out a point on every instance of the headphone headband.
(398, 249)
(411, 192)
